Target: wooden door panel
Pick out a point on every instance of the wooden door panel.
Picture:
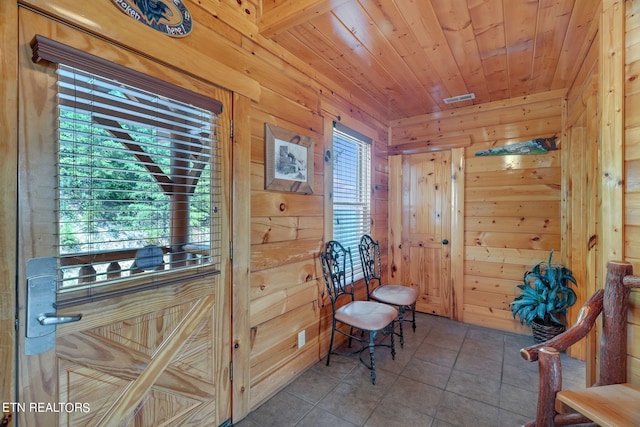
(425, 274)
(150, 370)
(425, 226)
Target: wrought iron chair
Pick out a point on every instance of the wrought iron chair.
(400, 296)
(369, 317)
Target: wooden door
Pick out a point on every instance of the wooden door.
(425, 249)
(156, 357)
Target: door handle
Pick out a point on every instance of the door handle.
(51, 319)
(41, 318)
(445, 242)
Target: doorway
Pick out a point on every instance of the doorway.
(422, 208)
(157, 355)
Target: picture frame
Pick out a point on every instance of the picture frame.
(288, 160)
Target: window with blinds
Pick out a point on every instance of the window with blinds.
(138, 182)
(351, 190)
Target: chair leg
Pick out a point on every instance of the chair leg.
(400, 318)
(413, 310)
(333, 331)
(393, 345)
(350, 335)
(372, 338)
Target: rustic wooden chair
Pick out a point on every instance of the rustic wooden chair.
(611, 401)
(403, 297)
(368, 317)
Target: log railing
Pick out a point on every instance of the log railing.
(612, 302)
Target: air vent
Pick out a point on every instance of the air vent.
(460, 98)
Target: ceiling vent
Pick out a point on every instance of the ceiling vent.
(460, 98)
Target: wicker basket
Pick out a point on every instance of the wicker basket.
(542, 333)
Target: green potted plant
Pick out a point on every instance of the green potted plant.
(544, 299)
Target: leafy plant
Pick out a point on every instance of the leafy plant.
(545, 294)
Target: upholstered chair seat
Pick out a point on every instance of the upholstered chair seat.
(395, 294)
(366, 315)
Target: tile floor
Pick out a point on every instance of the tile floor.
(448, 374)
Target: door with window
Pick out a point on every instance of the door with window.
(424, 214)
(123, 241)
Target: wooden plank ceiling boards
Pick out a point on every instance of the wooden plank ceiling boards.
(407, 56)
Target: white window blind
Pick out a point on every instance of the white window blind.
(351, 190)
(138, 185)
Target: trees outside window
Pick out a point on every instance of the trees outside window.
(351, 190)
(137, 176)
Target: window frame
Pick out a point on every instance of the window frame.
(45, 49)
(363, 196)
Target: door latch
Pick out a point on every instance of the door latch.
(51, 319)
(41, 318)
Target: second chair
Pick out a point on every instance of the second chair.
(369, 317)
(400, 296)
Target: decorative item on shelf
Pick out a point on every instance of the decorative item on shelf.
(544, 299)
(289, 160)
(533, 146)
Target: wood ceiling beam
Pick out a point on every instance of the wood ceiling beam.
(285, 14)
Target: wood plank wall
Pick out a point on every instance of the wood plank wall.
(288, 230)
(632, 179)
(512, 204)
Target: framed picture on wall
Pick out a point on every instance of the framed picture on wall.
(289, 160)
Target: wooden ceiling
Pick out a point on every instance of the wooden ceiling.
(404, 57)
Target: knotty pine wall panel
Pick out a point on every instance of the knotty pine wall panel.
(287, 229)
(286, 236)
(512, 203)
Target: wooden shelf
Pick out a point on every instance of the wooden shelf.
(615, 405)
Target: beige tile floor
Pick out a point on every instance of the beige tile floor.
(447, 374)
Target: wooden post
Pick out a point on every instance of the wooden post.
(179, 204)
(613, 344)
(611, 162)
(87, 274)
(241, 327)
(550, 383)
(113, 270)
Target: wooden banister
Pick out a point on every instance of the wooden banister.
(612, 302)
(551, 372)
(613, 343)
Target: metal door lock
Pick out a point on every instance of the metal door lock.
(41, 306)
